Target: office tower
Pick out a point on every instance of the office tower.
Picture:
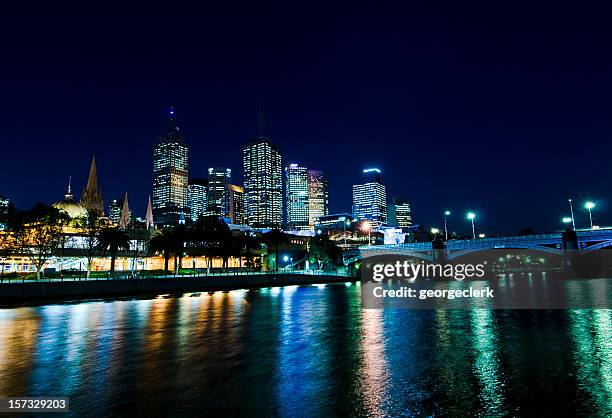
(218, 178)
(296, 197)
(399, 214)
(370, 197)
(262, 183)
(91, 198)
(114, 210)
(318, 198)
(234, 203)
(170, 176)
(198, 202)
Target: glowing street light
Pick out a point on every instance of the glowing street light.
(471, 216)
(435, 231)
(446, 213)
(589, 206)
(566, 220)
(572, 213)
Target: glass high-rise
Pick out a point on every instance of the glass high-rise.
(234, 203)
(296, 197)
(370, 197)
(262, 183)
(218, 178)
(318, 198)
(198, 201)
(170, 176)
(114, 210)
(399, 213)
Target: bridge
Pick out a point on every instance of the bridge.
(586, 241)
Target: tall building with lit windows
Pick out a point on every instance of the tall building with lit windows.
(170, 176)
(262, 183)
(218, 178)
(370, 197)
(234, 203)
(114, 210)
(198, 201)
(318, 197)
(399, 213)
(296, 197)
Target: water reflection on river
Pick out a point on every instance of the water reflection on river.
(306, 351)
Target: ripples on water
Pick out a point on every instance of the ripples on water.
(306, 351)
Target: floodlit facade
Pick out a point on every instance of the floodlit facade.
(218, 178)
(262, 183)
(370, 197)
(399, 213)
(318, 197)
(198, 201)
(234, 203)
(170, 176)
(296, 197)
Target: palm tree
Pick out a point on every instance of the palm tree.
(111, 241)
(275, 238)
(169, 242)
(211, 237)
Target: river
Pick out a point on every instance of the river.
(306, 351)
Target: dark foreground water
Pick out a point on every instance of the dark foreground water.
(306, 351)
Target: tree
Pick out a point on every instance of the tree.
(39, 234)
(171, 243)
(275, 238)
(322, 250)
(90, 233)
(111, 241)
(161, 242)
(211, 237)
(248, 245)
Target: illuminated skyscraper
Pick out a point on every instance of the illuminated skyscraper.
(318, 198)
(114, 210)
(198, 201)
(399, 213)
(218, 178)
(296, 197)
(262, 183)
(170, 176)
(234, 203)
(370, 197)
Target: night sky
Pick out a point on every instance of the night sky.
(504, 112)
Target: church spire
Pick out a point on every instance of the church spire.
(149, 215)
(125, 213)
(69, 194)
(92, 196)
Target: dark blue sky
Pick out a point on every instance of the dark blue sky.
(504, 112)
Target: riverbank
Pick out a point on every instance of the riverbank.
(17, 294)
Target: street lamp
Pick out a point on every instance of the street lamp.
(435, 231)
(566, 220)
(446, 213)
(572, 213)
(471, 216)
(589, 206)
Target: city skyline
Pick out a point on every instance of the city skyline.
(509, 125)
